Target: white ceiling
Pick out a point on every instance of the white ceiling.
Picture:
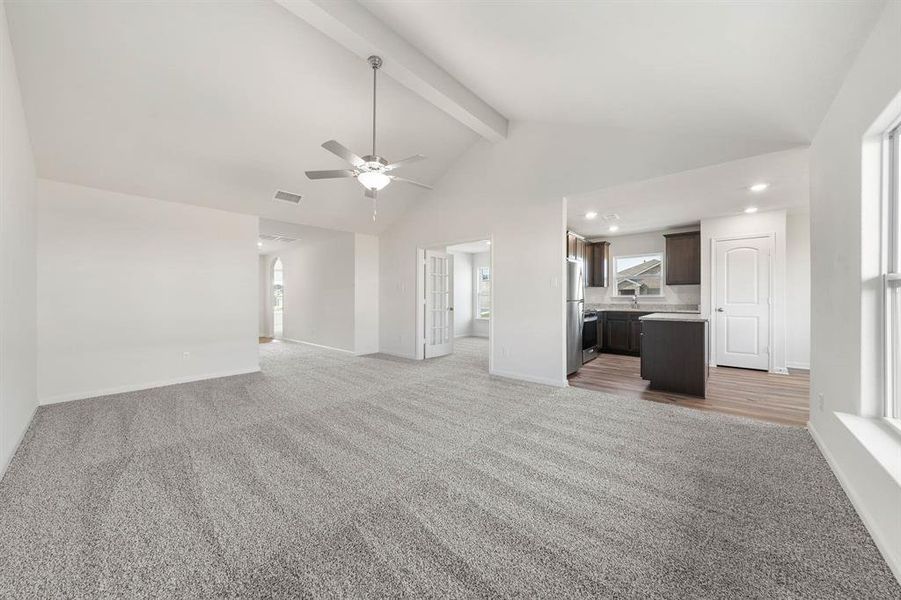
(765, 69)
(216, 104)
(221, 103)
(687, 197)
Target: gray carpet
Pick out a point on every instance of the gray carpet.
(329, 475)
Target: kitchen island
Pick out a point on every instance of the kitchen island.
(674, 352)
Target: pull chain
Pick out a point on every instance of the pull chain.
(374, 211)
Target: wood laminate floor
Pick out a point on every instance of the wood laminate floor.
(743, 392)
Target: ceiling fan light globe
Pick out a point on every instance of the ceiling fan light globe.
(373, 180)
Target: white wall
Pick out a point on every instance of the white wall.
(331, 286)
(366, 294)
(480, 327)
(463, 298)
(265, 304)
(845, 288)
(18, 397)
(741, 225)
(512, 192)
(797, 290)
(319, 290)
(642, 243)
(127, 285)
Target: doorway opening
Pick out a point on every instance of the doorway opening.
(278, 298)
(456, 311)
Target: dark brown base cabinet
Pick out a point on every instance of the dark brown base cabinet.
(622, 332)
(674, 356)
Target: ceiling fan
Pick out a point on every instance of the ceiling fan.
(372, 171)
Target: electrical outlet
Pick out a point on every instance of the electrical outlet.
(186, 355)
(821, 401)
(504, 351)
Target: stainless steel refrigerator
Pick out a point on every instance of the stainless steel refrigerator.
(575, 297)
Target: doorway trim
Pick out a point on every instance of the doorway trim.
(419, 335)
(771, 237)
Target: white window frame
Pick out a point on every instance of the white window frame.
(891, 261)
(479, 296)
(660, 253)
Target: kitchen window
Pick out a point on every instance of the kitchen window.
(640, 275)
(892, 254)
(483, 293)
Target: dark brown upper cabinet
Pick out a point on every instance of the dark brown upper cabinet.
(683, 258)
(597, 263)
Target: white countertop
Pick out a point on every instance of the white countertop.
(687, 317)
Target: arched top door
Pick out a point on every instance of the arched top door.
(278, 298)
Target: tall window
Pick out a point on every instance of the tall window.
(892, 254)
(639, 275)
(483, 293)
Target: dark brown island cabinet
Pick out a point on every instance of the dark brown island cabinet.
(674, 353)
(683, 258)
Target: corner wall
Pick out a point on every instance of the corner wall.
(845, 286)
(18, 317)
(797, 290)
(135, 292)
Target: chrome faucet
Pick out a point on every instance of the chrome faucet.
(634, 301)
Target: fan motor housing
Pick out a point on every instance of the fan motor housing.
(375, 159)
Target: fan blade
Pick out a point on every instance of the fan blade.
(370, 194)
(406, 161)
(422, 185)
(339, 150)
(338, 173)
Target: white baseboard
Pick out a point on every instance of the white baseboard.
(799, 366)
(142, 386)
(399, 355)
(316, 345)
(857, 503)
(529, 378)
(9, 459)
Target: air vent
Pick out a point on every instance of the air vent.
(277, 238)
(288, 197)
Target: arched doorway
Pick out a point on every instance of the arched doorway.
(278, 298)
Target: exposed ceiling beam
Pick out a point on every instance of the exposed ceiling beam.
(361, 32)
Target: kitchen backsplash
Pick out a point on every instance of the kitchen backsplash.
(672, 294)
(645, 305)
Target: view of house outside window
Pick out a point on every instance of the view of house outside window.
(639, 275)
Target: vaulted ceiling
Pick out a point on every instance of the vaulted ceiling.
(217, 104)
(764, 68)
(221, 103)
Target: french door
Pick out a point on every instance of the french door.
(439, 309)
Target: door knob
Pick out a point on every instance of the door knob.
(720, 310)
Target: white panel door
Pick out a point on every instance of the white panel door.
(742, 302)
(439, 300)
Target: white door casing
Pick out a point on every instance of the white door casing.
(438, 303)
(741, 301)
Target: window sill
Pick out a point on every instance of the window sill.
(639, 297)
(881, 438)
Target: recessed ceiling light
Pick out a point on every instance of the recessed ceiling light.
(591, 214)
(759, 187)
(614, 228)
(751, 210)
